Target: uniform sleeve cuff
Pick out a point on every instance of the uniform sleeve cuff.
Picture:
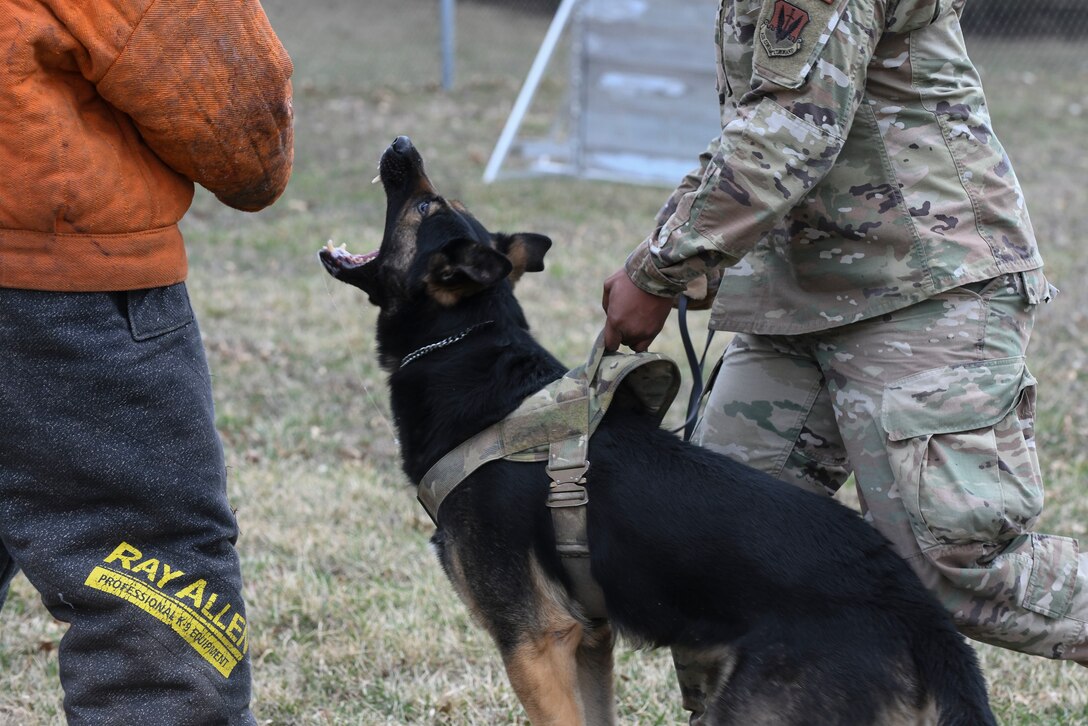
(646, 276)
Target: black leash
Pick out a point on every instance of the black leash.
(696, 366)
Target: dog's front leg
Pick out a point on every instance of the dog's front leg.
(594, 658)
(543, 669)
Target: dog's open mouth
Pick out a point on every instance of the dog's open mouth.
(338, 260)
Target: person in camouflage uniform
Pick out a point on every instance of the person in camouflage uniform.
(870, 246)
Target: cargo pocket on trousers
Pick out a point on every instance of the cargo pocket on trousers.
(1053, 578)
(158, 311)
(961, 442)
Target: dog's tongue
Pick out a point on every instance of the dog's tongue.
(344, 259)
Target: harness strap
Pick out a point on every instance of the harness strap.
(555, 425)
(568, 464)
(567, 419)
(569, 415)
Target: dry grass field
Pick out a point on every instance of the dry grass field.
(352, 621)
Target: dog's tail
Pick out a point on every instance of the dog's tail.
(949, 670)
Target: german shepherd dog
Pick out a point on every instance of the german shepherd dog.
(813, 618)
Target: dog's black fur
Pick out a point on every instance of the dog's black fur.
(816, 620)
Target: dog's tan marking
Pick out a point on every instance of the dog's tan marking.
(434, 205)
(565, 662)
(447, 296)
(560, 668)
(404, 251)
(519, 258)
(407, 227)
(702, 674)
(456, 573)
(594, 658)
(425, 186)
(907, 715)
(543, 671)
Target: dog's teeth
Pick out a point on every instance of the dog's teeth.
(376, 179)
(328, 246)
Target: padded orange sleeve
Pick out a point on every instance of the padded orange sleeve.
(207, 84)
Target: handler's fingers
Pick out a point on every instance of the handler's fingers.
(609, 284)
(633, 317)
(612, 337)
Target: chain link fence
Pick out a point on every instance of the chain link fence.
(1015, 45)
(1004, 18)
(402, 41)
(1030, 53)
(1009, 31)
(1016, 18)
(1012, 37)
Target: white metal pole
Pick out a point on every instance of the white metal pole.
(448, 42)
(528, 89)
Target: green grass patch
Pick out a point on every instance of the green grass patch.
(352, 621)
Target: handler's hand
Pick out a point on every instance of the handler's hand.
(633, 316)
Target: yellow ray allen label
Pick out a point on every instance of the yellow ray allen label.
(208, 623)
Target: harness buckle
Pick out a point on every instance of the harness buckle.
(567, 488)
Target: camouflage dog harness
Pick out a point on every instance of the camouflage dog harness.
(555, 425)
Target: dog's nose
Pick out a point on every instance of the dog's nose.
(402, 144)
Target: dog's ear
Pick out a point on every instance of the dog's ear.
(461, 268)
(524, 250)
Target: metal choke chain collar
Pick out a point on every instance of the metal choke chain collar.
(441, 343)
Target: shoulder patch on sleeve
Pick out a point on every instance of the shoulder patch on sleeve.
(790, 35)
(780, 33)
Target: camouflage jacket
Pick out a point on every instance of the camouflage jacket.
(856, 172)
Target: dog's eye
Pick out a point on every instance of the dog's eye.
(422, 207)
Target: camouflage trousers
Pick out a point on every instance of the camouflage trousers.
(931, 408)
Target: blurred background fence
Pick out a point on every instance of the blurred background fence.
(1025, 24)
(1017, 18)
(614, 84)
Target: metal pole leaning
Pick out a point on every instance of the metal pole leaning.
(528, 89)
(448, 42)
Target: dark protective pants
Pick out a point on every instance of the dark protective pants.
(113, 502)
